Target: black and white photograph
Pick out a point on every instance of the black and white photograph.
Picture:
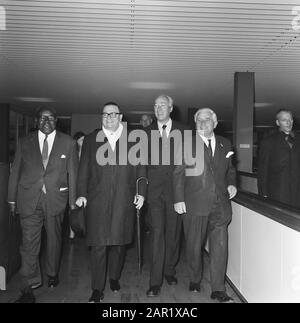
(149, 154)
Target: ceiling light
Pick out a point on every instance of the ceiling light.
(140, 112)
(151, 85)
(29, 99)
(263, 105)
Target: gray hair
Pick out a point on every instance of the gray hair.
(168, 98)
(212, 113)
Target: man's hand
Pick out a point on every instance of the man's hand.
(81, 201)
(180, 207)
(232, 191)
(139, 201)
(73, 207)
(12, 208)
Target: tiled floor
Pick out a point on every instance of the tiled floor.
(74, 284)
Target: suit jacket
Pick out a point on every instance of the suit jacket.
(279, 169)
(160, 176)
(199, 192)
(28, 175)
(110, 191)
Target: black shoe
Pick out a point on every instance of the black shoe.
(171, 280)
(222, 297)
(153, 291)
(53, 281)
(96, 297)
(194, 287)
(26, 297)
(114, 285)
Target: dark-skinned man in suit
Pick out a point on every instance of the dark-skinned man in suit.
(204, 202)
(42, 182)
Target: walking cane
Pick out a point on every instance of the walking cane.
(138, 228)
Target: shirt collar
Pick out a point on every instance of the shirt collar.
(213, 138)
(50, 136)
(292, 134)
(116, 133)
(168, 124)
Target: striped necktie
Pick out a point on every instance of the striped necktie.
(45, 152)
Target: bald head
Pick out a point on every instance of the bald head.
(163, 107)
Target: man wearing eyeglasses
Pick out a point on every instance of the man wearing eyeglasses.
(107, 189)
(42, 180)
(165, 223)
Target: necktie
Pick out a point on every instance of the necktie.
(45, 158)
(45, 152)
(164, 134)
(210, 148)
(289, 140)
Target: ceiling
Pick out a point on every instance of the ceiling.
(76, 55)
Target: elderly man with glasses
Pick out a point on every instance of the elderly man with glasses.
(107, 189)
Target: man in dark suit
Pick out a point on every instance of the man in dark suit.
(165, 223)
(279, 163)
(204, 202)
(106, 187)
(42, 179)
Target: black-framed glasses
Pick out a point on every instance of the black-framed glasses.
(111, 115)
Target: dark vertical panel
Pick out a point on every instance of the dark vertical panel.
(4, 220)
(4, 132)
(243, 119)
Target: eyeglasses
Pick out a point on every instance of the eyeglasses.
(47, 118)
(111, 115)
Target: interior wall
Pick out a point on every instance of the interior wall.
(264, 261)
(84, 122)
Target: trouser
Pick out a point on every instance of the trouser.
(31, 242)
(165, 240)
(214, 227)
(99, 254)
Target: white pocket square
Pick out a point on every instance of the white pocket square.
(230, 153)
(63, 156)
(63, 189)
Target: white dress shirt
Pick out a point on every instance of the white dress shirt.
(213, 142)
(168, 128)
(113, 136)
(50, 141)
